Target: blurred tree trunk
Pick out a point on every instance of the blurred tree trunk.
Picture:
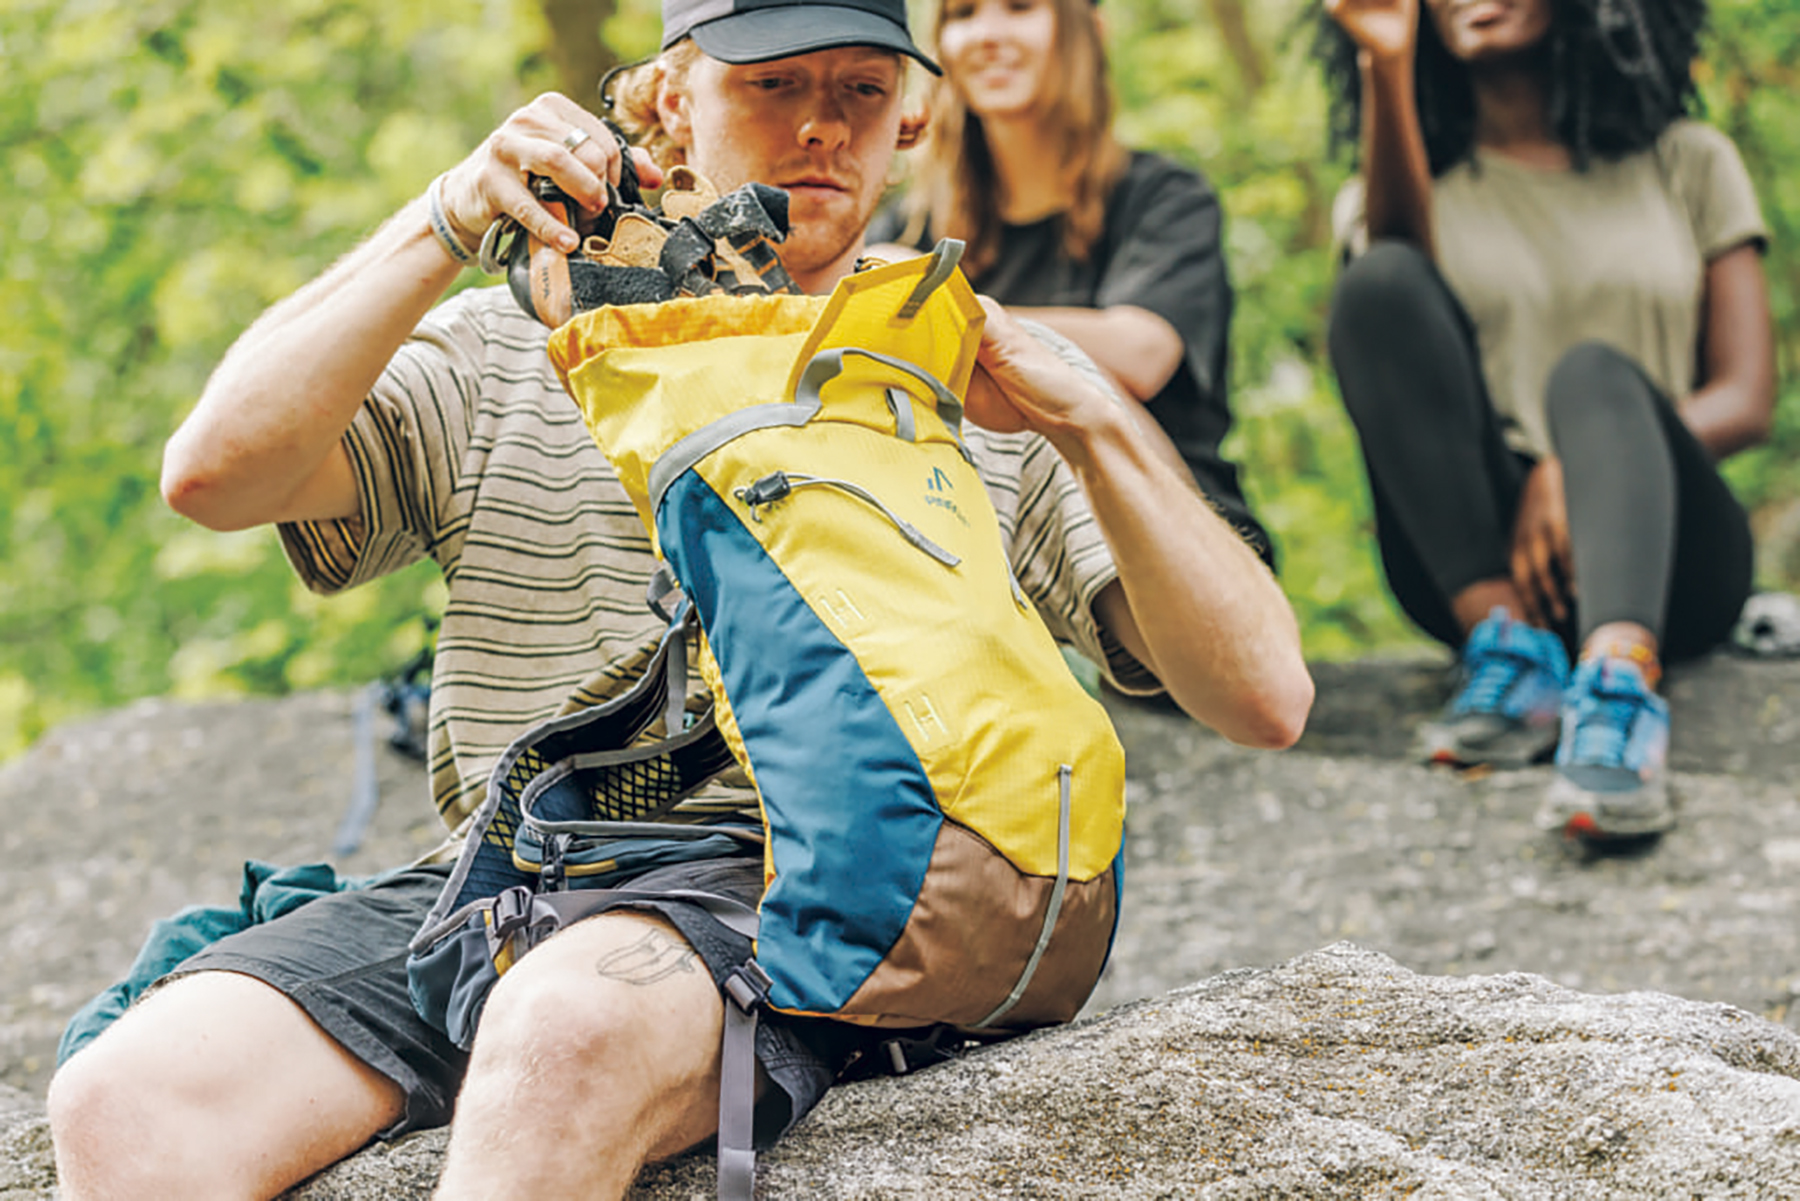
(1234, 29)
(1252, 63)
(575, 48)
(1737, 80)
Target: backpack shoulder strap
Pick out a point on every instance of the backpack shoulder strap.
(746, 990)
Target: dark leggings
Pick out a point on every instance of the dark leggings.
(1658, 538)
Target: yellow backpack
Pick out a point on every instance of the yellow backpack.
(942, 803)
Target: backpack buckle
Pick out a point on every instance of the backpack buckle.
(552, 874)
(511, 910)
(748, 986)
(906, 1055)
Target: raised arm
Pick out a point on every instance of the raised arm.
(1193, 603)
(265, 442)
(1396, 172)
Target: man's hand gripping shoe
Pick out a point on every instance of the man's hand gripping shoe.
(699, 243)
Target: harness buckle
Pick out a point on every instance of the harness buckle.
(748, 986)
(511, 910)
(553, 873)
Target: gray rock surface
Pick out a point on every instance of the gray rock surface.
(1236, 859)
(1337, 1074)
(27, 1167)
(1239, 857)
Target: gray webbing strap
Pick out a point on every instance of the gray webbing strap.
(710, 437)
(745, 990)
(900, 405)
(571, 907)
(661, 587)
(1051, 911)
(944, 258)
(827, 365)
(527, 918)
(676, 686)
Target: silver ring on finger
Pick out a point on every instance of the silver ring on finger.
(574, 138)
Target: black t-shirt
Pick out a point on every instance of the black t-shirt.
(1160, 251)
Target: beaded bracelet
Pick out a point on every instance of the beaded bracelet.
(440, 225)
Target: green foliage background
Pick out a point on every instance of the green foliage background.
(173, 167)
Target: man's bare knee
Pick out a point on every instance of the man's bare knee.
(613, 1026)
(597, 1000)
(88, 1112)
(222, 1086)
(125, 1089)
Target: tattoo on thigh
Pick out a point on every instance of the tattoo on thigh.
(651, 958)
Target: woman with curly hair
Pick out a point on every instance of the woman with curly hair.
(1552, 325)
(1117, 250)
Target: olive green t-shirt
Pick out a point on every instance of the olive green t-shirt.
(1543, 260)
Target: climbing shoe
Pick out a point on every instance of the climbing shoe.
(698, 244)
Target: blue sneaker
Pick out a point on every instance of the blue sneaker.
(1610, 781)
(1505, 712)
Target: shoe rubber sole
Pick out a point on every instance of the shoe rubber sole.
(1593, 816)
(1455, 744)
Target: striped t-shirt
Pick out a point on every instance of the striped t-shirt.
(469, 450)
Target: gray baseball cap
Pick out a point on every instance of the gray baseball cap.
(754, 31)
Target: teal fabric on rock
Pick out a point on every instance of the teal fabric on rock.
(267, 893)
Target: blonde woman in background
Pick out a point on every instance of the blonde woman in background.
(1117, 250)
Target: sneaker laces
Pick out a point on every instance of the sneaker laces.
(1604, 718)
(1603, 726)
(1491, 679)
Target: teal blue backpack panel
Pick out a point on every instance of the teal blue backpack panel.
(860, 820)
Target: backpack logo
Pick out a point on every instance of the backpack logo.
(938, 483)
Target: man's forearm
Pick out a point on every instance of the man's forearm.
(256, 448)
(264, 442)
(1194, 603)
(1199, 608)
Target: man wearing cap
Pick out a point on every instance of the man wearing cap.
(374, 427)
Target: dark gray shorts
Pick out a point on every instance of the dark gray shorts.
(342, 958)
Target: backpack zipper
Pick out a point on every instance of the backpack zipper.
(779, 485)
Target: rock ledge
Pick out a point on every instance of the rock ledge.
(1336, 1074)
